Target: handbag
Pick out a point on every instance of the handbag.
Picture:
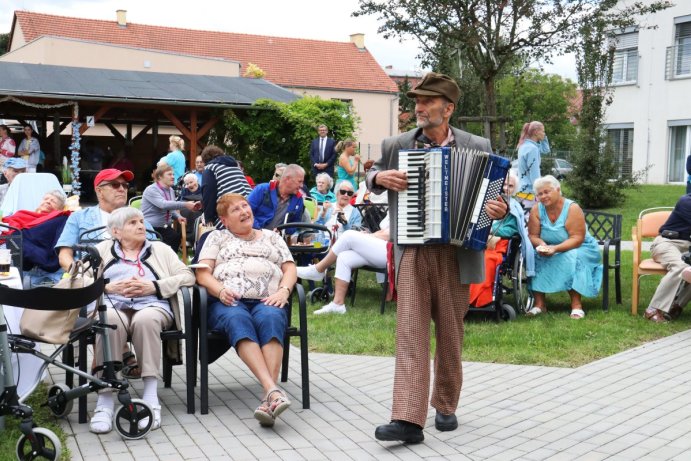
(54, 327)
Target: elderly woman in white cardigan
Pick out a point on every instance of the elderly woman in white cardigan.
(141, 295)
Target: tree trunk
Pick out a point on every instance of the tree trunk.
(491, 109)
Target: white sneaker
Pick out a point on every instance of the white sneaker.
(311, 273)
(331, 308)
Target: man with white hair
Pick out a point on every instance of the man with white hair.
(273, 201)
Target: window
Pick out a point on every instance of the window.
(680, 147)
(682, 55)
(625, 64)
(621, 142)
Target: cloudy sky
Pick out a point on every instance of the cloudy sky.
(312, 19)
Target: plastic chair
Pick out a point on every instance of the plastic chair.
(27, 191)
(136, 202)
(311, 207)
(647, 226)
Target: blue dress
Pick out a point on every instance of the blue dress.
(342, 174)
(579, 269)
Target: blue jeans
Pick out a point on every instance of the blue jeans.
(37, 277)
(250, 319)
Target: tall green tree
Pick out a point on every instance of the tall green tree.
(534, 95)
(272, 132)
(490, 34)
(596, 181)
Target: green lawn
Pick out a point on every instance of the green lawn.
(552, 339)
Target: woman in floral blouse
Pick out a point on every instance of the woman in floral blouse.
(251, 274)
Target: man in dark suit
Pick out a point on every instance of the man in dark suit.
(322, 153)
(432, 280)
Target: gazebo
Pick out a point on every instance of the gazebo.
(84, 97)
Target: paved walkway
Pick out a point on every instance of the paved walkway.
(631, 406)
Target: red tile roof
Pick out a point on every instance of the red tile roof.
(286, 61)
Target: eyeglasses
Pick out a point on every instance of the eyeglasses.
(349, 193)
(116, 185)
(277, 175)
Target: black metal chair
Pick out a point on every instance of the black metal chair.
(14, 242)
(606, 228)
(212, 344)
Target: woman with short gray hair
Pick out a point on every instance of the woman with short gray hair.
(141, 298)
(322, 191)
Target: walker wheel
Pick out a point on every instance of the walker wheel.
(127, 419)
(58, 404)
(318, 294)
(40, 444)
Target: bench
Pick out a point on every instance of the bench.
(606, 228)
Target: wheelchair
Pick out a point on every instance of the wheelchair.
(510, 279)
(38, 443)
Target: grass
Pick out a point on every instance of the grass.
(42, 418)
(552, 339)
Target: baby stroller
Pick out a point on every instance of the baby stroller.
(41, 442)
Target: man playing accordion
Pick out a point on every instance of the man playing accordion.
(432, 280)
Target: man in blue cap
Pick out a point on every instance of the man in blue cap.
(12, 167)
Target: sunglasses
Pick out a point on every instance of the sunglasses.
(349, 193)
(117, 185)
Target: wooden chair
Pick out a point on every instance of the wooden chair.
(647, 226)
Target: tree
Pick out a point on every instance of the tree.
(4, 43)
(272, 132)
(533, 95)
(596, 181)
(490, 35)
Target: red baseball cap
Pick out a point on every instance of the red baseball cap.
(111, 173)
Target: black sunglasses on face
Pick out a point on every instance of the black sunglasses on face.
(346, 192)
(117, 185)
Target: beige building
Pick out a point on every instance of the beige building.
(347, 71)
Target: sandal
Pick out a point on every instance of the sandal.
(279, 404)
(101, 420)
(655, 315)
(577, 313)
(130, 367)
(263, 414)
(535, 311)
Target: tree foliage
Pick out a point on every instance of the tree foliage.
(4, 43)
(532, 95)
(490, 36)
(596, 181)
(271, 132)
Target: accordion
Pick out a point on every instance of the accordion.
(446, 196)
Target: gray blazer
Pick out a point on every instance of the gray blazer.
(471, 264)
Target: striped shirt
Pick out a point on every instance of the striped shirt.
(228, 179)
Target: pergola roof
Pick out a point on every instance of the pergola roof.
(106, 85)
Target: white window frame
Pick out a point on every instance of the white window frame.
(626, 52)
(686, 151)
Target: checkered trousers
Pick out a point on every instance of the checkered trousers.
(429, 288)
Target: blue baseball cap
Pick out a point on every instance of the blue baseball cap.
(17, 163)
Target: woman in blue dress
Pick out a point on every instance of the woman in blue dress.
(348, 162)
(532, 145)
(567, 256)
(175, 158)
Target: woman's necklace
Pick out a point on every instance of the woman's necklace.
(246, 239)
(136, 262)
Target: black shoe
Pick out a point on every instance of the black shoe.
(445, 422)
(399, 430)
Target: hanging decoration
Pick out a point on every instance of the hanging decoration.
(37, 106)
(74, 148)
